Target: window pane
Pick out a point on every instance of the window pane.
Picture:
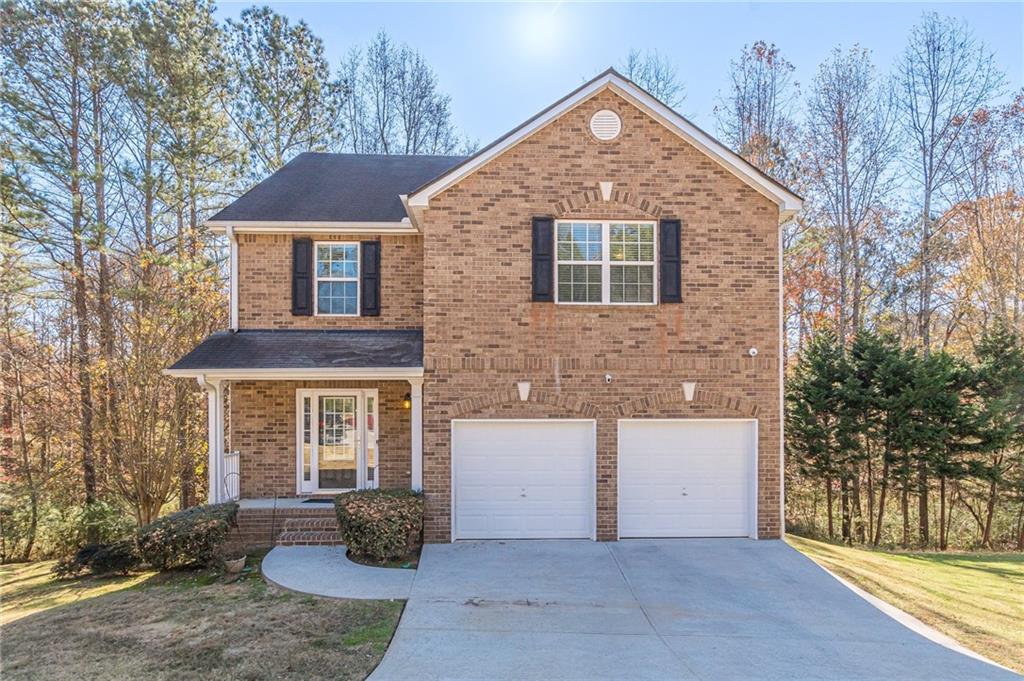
(336, 297)
(307, 447)
(337, 261)
(632, 284)
(579, 241)
(579, 283)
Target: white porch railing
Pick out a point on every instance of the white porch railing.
(230, 480)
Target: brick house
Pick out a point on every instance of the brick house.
(574, 332)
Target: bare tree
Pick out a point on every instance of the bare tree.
(655, 73)
(755, 115)
(394, 105)
(945, 74)
(850, 148)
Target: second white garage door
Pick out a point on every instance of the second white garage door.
(686, 478)
(522, 479)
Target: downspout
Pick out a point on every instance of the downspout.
(233, 275)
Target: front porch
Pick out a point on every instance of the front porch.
(295, 415)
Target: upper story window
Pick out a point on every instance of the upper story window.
(337, 278)
(605, 262)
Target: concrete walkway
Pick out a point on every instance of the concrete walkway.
(326, 571)
(651, 609)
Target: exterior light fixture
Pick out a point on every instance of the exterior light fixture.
(407, 401)
(688, 389)
(524, 390)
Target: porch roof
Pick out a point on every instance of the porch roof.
(310, 354)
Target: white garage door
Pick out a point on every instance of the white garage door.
(519, 479)
(686, 478)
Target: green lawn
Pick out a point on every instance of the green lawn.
(976, 598)
(185, 625)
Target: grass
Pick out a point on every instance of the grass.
(976, 598)
(194, 625)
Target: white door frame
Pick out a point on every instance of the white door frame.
(362, 437)
(593, 464)
(752, 494)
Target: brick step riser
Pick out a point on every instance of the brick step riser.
(310, 526)
(320, 538)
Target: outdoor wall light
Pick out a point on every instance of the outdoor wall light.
(524, 390)
(407, 401)
(688, 389)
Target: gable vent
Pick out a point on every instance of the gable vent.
(606, 125)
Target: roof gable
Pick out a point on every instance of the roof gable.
(787, 201)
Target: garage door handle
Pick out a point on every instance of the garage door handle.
(685, 494)
(523, 495)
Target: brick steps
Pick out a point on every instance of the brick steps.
(309, 538)
(315, 524)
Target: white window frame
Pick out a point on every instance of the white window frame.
(606, 262)
(317, 279)
(363, 438)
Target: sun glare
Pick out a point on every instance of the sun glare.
(537, 28)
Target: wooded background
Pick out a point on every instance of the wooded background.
(122, 127)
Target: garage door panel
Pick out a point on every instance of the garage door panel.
(523, 479)
(680, 478)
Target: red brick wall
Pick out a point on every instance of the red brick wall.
(263, 431)
(482, 332)
(265, 281)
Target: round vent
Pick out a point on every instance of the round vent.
(605, 125)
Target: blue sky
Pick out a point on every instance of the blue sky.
(503, 62)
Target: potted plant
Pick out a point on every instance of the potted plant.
(234, 563)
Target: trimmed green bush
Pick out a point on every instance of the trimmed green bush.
(119, 557)
(192, 537)
(380, 525)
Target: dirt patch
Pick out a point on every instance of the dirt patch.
(182, 627)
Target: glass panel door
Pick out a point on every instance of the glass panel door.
(337, 442)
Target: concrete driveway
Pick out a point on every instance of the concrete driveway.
(650, 609)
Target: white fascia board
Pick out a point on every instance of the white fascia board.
(787, 201)
(272, 227)
(324, 374)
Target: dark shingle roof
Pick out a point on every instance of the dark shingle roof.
(337, 188)
(293, 349)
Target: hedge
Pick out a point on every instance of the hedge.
(192, 537)
(380, 525)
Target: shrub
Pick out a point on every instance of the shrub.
(64, 530)
(380, 525)
(187, 538)
(101, 559)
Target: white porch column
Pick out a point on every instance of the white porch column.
(416, 392)
(215, 432)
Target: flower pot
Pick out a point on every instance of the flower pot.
(235, 565)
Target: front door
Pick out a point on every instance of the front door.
(337, 448)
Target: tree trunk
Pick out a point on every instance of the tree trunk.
(942, 512)
(831, 517)
(922, 503)
(857, 517)
(986, 538)
(844, 500)
(905, 508)
(881, 502)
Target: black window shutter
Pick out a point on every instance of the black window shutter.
(302, 276)
(370, 278)
(543, 260)
(670, 272)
